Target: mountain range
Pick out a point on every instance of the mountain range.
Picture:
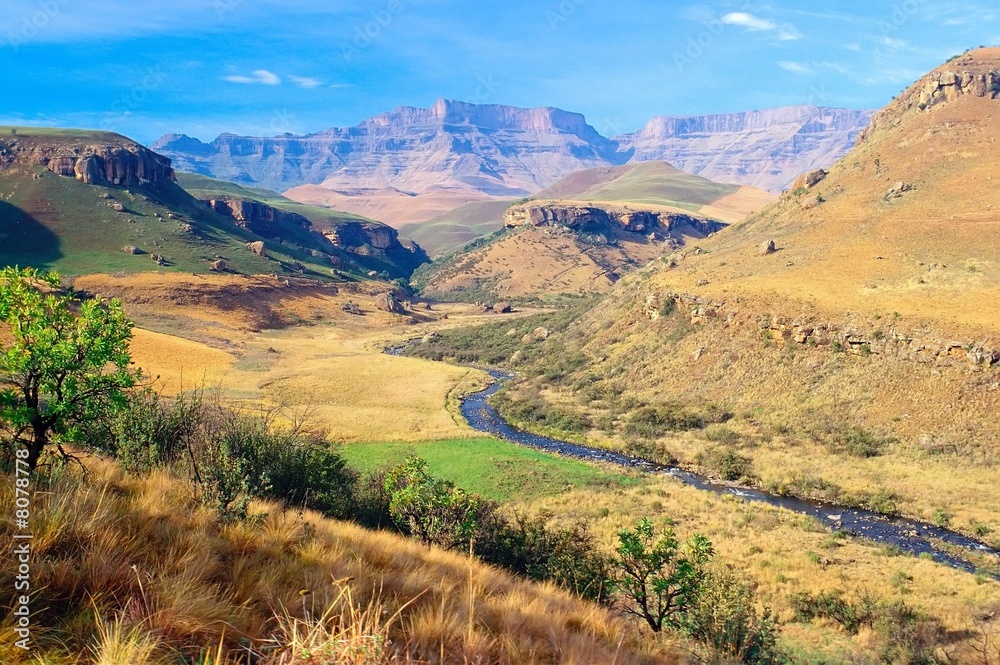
(413, 164)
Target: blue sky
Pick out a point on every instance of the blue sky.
(264, 67)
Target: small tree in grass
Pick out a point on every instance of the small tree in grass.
(657, 578)
(433, 510)
(63, 362)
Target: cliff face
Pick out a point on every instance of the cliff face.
(592, 219)
(115, 162)
(455, 152)
(765, 149)
(256, 217)
(968, 75)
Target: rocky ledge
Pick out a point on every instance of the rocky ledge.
(257, 217)
(974, 74)
(123, 163)
(593, 219)
(849, 336)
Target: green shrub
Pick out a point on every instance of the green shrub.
(435, 511)
(650, 422)
(726, 463)
(656, 578)
(858, 443)
(725, 619)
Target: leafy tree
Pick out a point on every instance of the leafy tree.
(433, 510)
(63, 362)
(658, 579)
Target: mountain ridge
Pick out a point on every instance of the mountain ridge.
(412, 164)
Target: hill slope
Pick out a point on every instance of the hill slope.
(857, 355)
(106, 592)
(84, 202)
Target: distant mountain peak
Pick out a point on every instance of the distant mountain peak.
(462, 151)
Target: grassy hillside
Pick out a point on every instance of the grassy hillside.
(655, 183)
(56, 222)
(453, 230)
(396, 261)
(287, 586)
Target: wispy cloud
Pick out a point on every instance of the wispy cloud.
(305, 81)
(259, 77)
(784, 31)
(795, 67)
(748, 21)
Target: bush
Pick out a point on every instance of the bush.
(858, 443)
(725, 619)
(657, 579)
(651, 422)
(726, 463)
(435, 511)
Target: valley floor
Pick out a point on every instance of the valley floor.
(330, 368)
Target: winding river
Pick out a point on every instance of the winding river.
(910, 536)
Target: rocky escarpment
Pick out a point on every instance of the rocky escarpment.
(965, 76)
(118, 161)
(850, 335)
(257, 217)
(592, 219)
(357, 234)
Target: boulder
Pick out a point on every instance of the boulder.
(131, 249)
(257, 248)
(219, 266)
(766, 248)
(389, 303)
(118, 207)
(352, 308)
(503, 308)
(540, 333)
(808, 179)
(159, 260)
(297, 266)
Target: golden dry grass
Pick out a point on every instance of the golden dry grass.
(134, 571)
(785, 554)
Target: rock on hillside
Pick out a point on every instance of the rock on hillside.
(101, 158)
(766, 149)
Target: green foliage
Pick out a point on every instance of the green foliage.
(904, 635)
(725, 619)
(657, 578)
(63, 364)
(725, 462)
(651, 422)
(435, 511)
(857, 442)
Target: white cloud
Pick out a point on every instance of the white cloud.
(306, 81)
(785, 31)
(259, 76)
(748, 21)
(795, 67)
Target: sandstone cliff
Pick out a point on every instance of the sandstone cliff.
(592, 219)
(969, 75)
(103, 159)
(257, 217)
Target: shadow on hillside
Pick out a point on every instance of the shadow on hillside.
(24, 241)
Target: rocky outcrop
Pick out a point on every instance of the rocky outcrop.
(809, 179)
(592, 219)
(965, 76)
(356, 234)
(257, 217)
(387, 302)
(117, 162)
(849, 336)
